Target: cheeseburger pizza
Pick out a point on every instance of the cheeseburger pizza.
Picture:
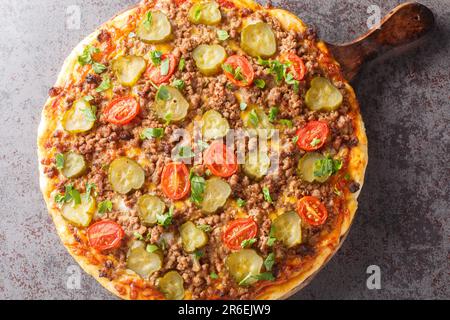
(202, 150)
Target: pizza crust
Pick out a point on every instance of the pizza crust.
(357, 166)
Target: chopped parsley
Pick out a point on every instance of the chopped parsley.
(164, 67)
(243, 106)
(266, 194)
(98, 67)
(326, 167)
(249, 279)
(59, 161)
(163, 93)
(253, 118)
(105, 85)
(222, 35)
(150, 248)
(70, 194)
(315, 142)
(155, 56)
(295, 139)
(248, 243)
(214, 275)
(148, 20)
(197, 188)
(240, 202)
(86, 57)
(105, 206)
(269, 261)
(165, 219)
(286, 122)
(273, 113)
(181, 64)
(138, 236)
(197, 13)
(272, 239)
(178, 83)
(150, 133)
(236, 73)
(260, 83)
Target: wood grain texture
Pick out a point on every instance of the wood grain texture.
(403, 25)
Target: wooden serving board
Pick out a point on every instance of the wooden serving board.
(402, 26)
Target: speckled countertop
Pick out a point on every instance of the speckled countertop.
(402, 225)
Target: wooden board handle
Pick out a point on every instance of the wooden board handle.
(403, 25)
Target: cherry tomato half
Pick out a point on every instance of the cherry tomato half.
(220, 160)
(297, 68)
(154, 72)
(245, 70)
(105, 234)
(313, 136)
(312, 210)
(122, 110)
(237, 231)
(175, 180)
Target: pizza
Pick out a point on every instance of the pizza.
(202, 150)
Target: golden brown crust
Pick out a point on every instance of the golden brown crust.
(129, 285)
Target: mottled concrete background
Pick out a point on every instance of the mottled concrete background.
(402, 225)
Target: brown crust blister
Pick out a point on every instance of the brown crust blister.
(131, 286)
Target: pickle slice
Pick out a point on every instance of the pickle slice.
(205, 13)
(305, 168)
(170, 105)
(76, 119)
(216, 194)
(287, 229)
(258, 40)
(128, 69)
(143, 262)
(149, 207)
(80, 214)
(257, 164)
(125, 175)
(155, 27)
(256, 118)
(323, 95)
(209, 58)
(192, 237)
(172, 285)
(244, 264)
(214, 126)
(74, 165)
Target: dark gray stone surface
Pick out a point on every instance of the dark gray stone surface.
(402, 225)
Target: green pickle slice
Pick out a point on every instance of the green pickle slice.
(125, 175)
(323, 95)
(155, 27)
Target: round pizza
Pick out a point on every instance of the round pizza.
(202, 150)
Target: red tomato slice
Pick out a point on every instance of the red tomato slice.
(237, 231)
(220, 160)
(246, 70)
(105, 234)
(313, 136)
(122, 110)
(297, 68)
(154, 72)
(312, 210)
(175, 180)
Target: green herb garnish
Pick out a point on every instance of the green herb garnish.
(150, 133)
